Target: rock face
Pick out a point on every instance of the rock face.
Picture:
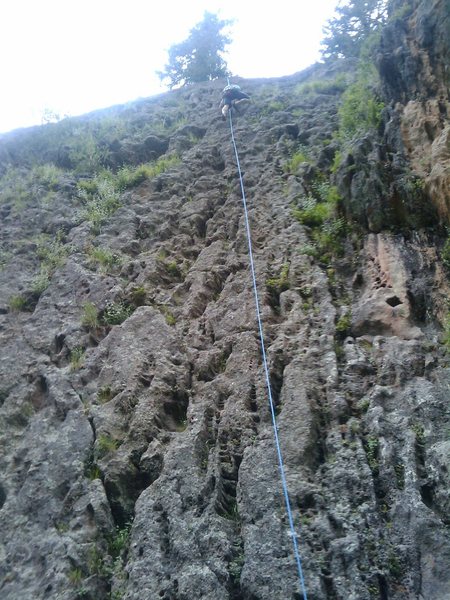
(413, 62)
(138, 459)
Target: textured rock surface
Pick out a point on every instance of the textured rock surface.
(146, 469)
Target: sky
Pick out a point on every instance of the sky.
(73, 56)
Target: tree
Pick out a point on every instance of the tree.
(199, 57)
(356, 20)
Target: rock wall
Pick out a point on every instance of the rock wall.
(137, 457)
(414, 65)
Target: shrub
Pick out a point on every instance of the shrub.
(299, 157)
(116, 313)
(319, 211)
(312, 213)
(360, 109)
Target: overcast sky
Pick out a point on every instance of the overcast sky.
(72, 56)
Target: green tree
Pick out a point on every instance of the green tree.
(356, 20)
(199, 57)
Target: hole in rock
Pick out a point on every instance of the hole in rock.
(394, 301)
(426, 492)
(2, 496)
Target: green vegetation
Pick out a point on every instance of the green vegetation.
(94, 473)
(299, 157)
(279, 284)
(103, 257)
(236, 565)
(360, 109)
(131, 176)
(323, 86)
(400, 475)
(90, 318)
(106, 444)
(344, 324)
(119, 542)
(98, 563)
(101, 204)
(17, 303)
(138, 296)
(319, 211)
(199, 57)
(445, 254)
(53, 253)
(116, 313)
(75, 576)
(101, 194)
(21, 187)
(77, 358)
(105, 394)
(419, 432)
(356, 21)
(372, 447)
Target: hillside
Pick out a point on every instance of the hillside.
(138, 459)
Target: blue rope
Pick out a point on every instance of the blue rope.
(266, 371)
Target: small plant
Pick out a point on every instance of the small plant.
(235, 566)
(105, 394)
(17, 303)
(77, 358)
(119, 542)
(52, 252)
(312, 213)
(445, 254)
(104, 257)
(106, 444)
(75, 576)
(100, 205)
(138, 296)
(41, 282)
(400, 475)
(279, 284)
(363, 405)
(97, 563)
(372, 447)
(94, 473)
(301, 156)
(169, 316)
(172, 269)
(90, 316)
(344, 324)
(116, 313)
(419, 433)
(62, 527)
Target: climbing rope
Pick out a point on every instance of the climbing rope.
(267, 376)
